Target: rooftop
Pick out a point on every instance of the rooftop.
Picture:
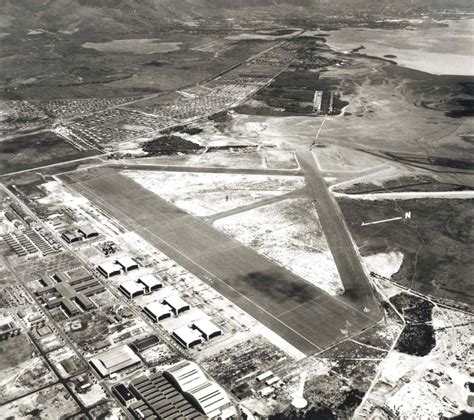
(132, 287)
(157, 309)
(109, 267)
(175, 302)
(150, 280)
(206, 326)
(126, 261)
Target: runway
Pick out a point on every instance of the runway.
(305, 316)
(358, 291)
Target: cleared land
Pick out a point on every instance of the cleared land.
(436, 242)
(50, 403)
(20, 373)
(204, 194)
(288, 232)
(34, 150)
(304, 315)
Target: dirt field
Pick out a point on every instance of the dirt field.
(20, 372)
(429, 386)
(289, 233)
(204, 194)
(50, 403)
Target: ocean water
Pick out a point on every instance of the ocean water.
(447, 50)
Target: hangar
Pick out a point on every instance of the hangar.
(127, 263)
(207, 328)
(109, 269)
(187, 337)
(177, 304)
(71, 237)
(151, 283)
(114, 360)
(131, 289)
(207, 396)
(157, 311)
(88, 232)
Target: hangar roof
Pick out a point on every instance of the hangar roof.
(157, 309)
(126, 261)
(206, 326)
(131, 287)
(210, 397)
(109, 267)
(188, 375)
(176, 302)
(150, 280)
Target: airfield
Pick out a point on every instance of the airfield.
(305, 316)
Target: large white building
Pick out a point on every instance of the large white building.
(157, 311)
(206, 395)
(114, 360)
(131, 289)
(150, 283)
(207, 328)
(187, 337)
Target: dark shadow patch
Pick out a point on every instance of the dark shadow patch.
(279, 289)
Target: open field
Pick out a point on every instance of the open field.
(20, 371)
(289, 233)
(50, 403)
(428, 386)
(436, 243)
(258, 159)
(135, 46)
(279, 299)
(30, 151)
(204, 194)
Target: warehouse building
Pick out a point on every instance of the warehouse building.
(131, 289)
(187, 337)
(127, 263)
(157, 311)
(176, 304)
(207, 328)
(150, 283)
(109, 269)
(114, 360)
(158, 398)
(145, 343)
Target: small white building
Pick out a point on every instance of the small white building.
(127, 263)
(177, 304)
(207, 328)
(109, 269)
(131, 289)
(150, 283)
(157, 311)
(187, 337)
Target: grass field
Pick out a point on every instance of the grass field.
(20, 372)
(34, 150)
(436, 243)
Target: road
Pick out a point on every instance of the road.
(358, 290)
(306, 316)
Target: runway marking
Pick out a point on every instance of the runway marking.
(300, 305)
